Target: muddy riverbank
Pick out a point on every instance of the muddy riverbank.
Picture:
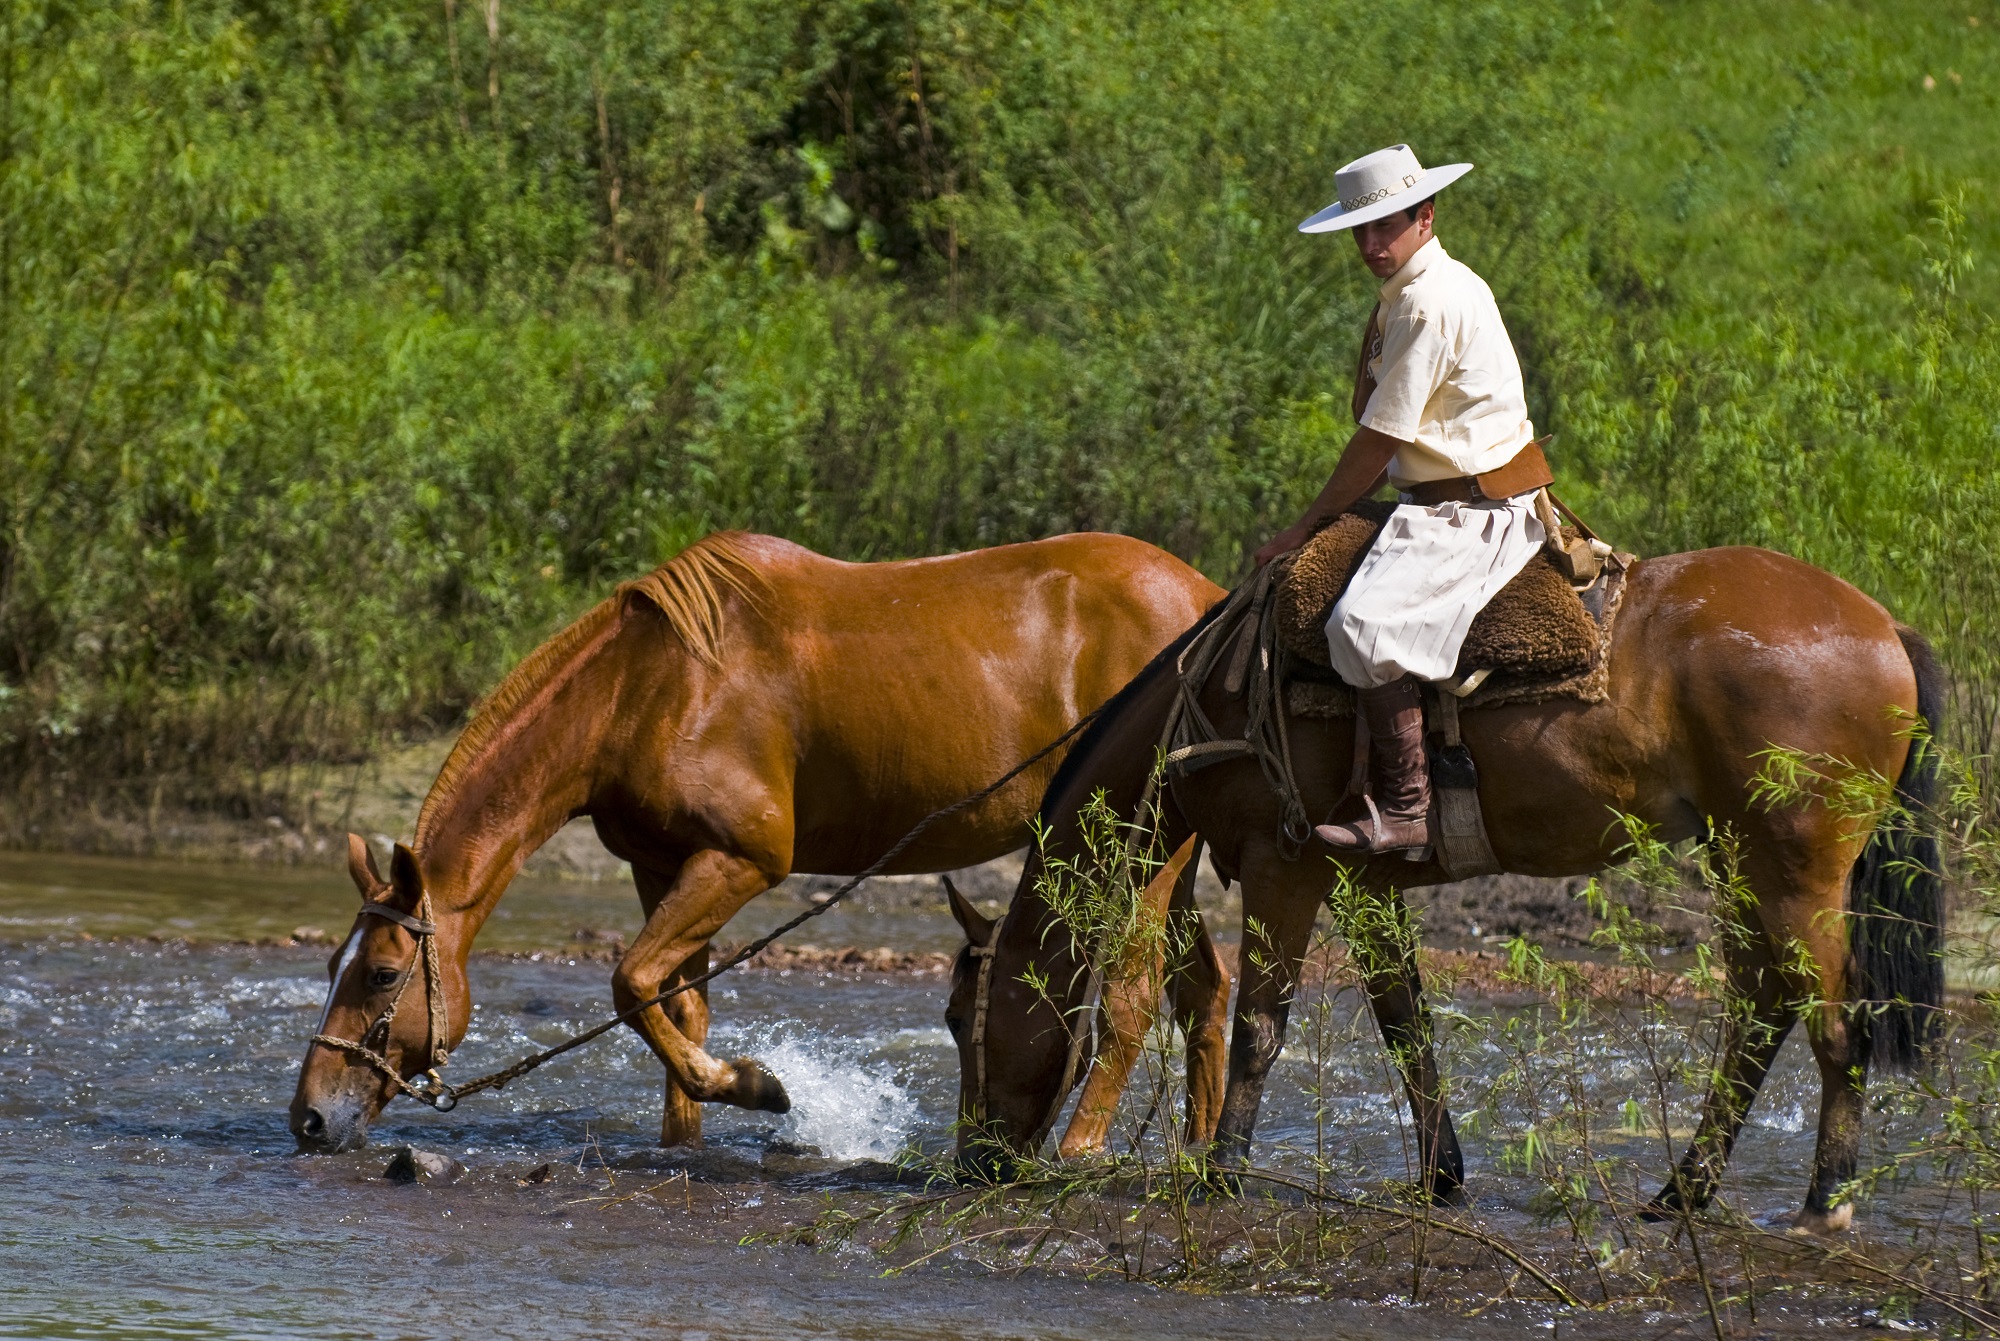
(889, 927)
(380, 799)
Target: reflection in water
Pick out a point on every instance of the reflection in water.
(43, 895)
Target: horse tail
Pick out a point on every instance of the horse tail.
(1896, 895)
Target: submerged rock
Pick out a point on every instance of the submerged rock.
(412, 1165)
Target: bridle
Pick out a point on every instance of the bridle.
(444, 1097)
(1081, 1032)
(373, 1044)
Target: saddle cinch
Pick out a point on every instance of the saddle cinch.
(1546, 635)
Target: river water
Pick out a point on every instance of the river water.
(151, 1188)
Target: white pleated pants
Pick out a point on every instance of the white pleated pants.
(1428, 573)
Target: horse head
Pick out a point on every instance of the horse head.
(394, 1003)
(1009, 1012)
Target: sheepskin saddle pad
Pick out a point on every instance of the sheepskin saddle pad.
(1536, 632)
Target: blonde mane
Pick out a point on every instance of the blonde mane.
(688, 589)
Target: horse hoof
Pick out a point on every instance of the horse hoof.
(1823, 1223)
(757, 1089)
(1217, 1184)
(1452, 1194)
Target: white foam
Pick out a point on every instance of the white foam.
(841, 1105)
(281, 992)
(1786, 1119)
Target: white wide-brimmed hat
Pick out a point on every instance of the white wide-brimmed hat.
(1381, 183)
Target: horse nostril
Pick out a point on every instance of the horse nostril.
(314, 1124)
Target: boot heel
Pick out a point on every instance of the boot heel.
(1418, 854)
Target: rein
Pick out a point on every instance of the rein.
(444, 1096)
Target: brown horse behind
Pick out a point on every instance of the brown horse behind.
(748, 710)
(1718, 656)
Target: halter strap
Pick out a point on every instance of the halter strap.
(981, 998)
(416, 925)
(436, 1026)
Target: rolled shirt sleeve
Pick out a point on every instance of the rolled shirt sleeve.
(1416, 358)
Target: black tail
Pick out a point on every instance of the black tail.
(1896, 896)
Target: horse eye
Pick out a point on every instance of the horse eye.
(955, 1024)
(382, 979)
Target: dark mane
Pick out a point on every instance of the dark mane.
(1115, 706)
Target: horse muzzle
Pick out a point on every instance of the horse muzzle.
(330, 1126)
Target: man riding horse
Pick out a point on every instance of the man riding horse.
(1442, 413)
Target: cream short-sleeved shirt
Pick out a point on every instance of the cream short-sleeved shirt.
(1447, 381)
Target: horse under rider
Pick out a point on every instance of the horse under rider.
(1442, 412)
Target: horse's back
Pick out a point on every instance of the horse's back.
(1130, 574)
(1734, 628)
(892, 689)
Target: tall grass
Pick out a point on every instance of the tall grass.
(345, 352)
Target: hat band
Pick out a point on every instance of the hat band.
(1363, 202)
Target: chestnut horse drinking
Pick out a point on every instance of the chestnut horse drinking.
(747, 710)
(1717, 656)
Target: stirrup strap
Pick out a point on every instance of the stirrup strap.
(1357, 778)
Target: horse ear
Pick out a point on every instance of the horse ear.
(404, 875)
(361, 866)
(978, 927)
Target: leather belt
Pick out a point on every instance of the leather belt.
(1527, 471)
(1458, 489)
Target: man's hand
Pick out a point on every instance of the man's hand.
(1284, 542)
(1359, 473)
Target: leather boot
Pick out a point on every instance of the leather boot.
(1399, 807)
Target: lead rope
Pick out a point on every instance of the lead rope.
(444, 1097)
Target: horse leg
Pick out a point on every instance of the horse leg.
(707, 891)
(1751, 1039)
(1396, 992)
(1839, 1047)
(1200, 999)
(680, 1118)
(1795, 950)
(1131, 997)
(1276, 931)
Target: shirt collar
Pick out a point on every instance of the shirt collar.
(1426, 256)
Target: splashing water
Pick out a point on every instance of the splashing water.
(843, 1105)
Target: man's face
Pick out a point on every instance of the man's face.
(1388, 243)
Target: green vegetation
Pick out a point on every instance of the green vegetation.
(346, 350)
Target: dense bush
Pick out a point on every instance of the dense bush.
(347, 350)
